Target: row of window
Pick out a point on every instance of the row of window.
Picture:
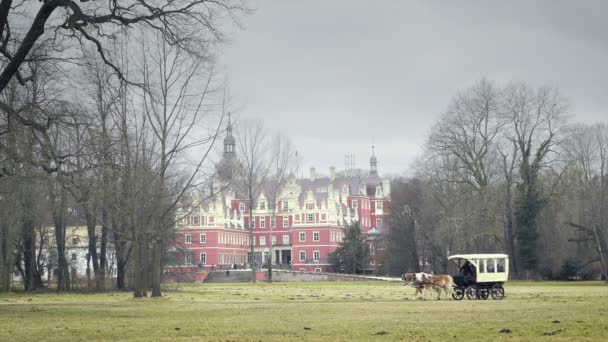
(197, 220)
(274, 240)
(263, 221)
(262, 206)
(365, 204)
(233, 239)
(227, 239)
(316, 256)
(222, 258)
(491, 265)
(335, 236)
(316, 236)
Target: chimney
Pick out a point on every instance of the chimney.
(332, 174)
(313, 174)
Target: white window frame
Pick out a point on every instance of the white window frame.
(285, 205)
(316, 236)
(263, 222)
(285, 221)
(316, 256)
(354, 204)
(262, 205)
(310, 206)
(203, 238)
(196, 220)
(273, 222)
(302, 236)
(262, 241)
(378, 205)
(378, 222)
(188, 238)
(310, 217)
(318, 269)
(241, 206)
(286, 239)
(203, 258)
(187, 258)
(302, 253)
(273, 240)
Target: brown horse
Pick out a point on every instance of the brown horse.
(438, 282)
(416, 279)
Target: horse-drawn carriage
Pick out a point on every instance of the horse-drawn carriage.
(479, 276)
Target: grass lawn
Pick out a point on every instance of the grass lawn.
(341, 311)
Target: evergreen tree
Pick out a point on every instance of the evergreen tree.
(352, 253)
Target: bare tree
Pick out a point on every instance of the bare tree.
(588, 149)
(175, 99)
(255, 167)
(184, 23)
(536, 117)
(282, 156)
(468, 131)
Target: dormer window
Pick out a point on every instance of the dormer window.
(355, 204)
(310, 206)
(242, 206)
(263, 205)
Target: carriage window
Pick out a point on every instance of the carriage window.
(500, 265)
(491, 264)
(482, 266)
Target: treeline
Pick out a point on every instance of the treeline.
(504, 170)
(108, 114)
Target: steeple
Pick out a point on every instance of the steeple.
(229, 141)
(373, 162)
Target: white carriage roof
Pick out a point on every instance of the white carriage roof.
(477, 256)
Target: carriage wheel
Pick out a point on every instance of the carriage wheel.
(458, 293)
(472, 292)
(484, 293)
(497, 292)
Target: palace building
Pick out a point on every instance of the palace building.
(310, 217)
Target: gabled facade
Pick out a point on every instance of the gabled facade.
(310, 217)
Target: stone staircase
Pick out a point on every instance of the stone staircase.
(238, 276)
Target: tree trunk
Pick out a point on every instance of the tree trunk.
(91, 224)
(270, 251)
(251, 238)
(32, 280)
(58, 203)
(156, 266)
(102, 249)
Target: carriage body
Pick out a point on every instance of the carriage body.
(479, 276)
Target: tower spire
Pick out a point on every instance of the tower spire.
(373, 162)
(229, 140)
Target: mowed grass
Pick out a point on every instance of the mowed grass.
(332, 311)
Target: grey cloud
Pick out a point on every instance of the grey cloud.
(332, 74)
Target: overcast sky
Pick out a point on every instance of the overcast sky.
(333, 74)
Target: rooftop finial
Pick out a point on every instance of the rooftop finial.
(373, 162)
(372, 146)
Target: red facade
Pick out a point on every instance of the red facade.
(308, 224)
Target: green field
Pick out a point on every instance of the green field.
(343, 311)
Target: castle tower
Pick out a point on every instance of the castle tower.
(229, 141)
(373, 163)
